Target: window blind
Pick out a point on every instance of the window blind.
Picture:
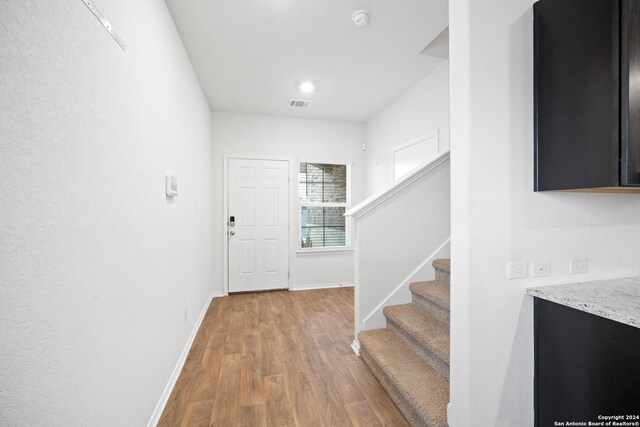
(322, 189)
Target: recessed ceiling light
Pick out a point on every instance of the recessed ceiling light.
(307, 87)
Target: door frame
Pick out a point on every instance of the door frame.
(225, 212)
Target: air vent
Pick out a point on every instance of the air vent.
(299, 103)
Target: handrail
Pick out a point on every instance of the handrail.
(375, 200)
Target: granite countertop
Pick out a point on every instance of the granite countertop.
(616, 299)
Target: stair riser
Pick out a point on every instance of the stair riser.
(409, 413)
(443, 276)
(431, 307)
(437, 362)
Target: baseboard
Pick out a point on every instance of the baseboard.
(321, 286)
(157, 413)
(355, 346)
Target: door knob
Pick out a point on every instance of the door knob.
(232, 233)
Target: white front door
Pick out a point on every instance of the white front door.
(259, 238)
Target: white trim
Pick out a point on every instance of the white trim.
(164, 398)
(355, 346)
(299, 205)
(394, 150)
(372, 202)
(348, 221)
(406, 281)
(321, 286)
(324, 205)
(225, 225)
(225, 211)
(325, 250)
(326, 161)
(357, 325)
(256, 157)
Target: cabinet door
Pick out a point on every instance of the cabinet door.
(630, 81)
(576, 84)
(585, 366)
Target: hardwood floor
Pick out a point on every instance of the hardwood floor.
(278, 359)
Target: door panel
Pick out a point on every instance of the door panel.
(247, 256)
(247, 207)
(271, 207)
(271, 256)
(259, 240)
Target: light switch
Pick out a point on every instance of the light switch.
(172, 185)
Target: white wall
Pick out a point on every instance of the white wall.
(498, 218)
(253, 134)
(422, 109)
(399, 234)
(95, 264)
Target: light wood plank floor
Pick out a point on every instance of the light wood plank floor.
(278, 359)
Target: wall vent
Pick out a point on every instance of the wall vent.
(299, 103)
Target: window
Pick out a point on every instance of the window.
(323, 190)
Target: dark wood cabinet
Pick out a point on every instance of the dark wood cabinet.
(587, 95)
(586, 366)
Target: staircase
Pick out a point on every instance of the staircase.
(410, 357)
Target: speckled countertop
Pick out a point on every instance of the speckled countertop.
(616, 299)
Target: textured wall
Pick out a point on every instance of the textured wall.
(95, 264)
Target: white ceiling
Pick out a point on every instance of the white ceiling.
(251, 55)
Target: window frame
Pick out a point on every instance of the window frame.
(300, 204)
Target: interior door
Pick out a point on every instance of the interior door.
(258, 225)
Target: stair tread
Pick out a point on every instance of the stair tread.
(426, 329)
(442, 265)
(421, 387)
(434, 291)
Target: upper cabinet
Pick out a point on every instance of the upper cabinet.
(587, 95)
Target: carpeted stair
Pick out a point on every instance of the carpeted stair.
(410, 357)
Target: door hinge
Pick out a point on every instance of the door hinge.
(289, 273)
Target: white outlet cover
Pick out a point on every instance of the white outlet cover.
(578, 265)
(540, 269)
(516, 270)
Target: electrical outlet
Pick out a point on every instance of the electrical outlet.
(578, 265)
(186, 313)
(516, 270)
(540, 269)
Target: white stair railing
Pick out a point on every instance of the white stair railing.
(395, 235)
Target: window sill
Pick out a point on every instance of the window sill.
(315, 251)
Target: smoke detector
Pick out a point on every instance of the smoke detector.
(361, 17)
